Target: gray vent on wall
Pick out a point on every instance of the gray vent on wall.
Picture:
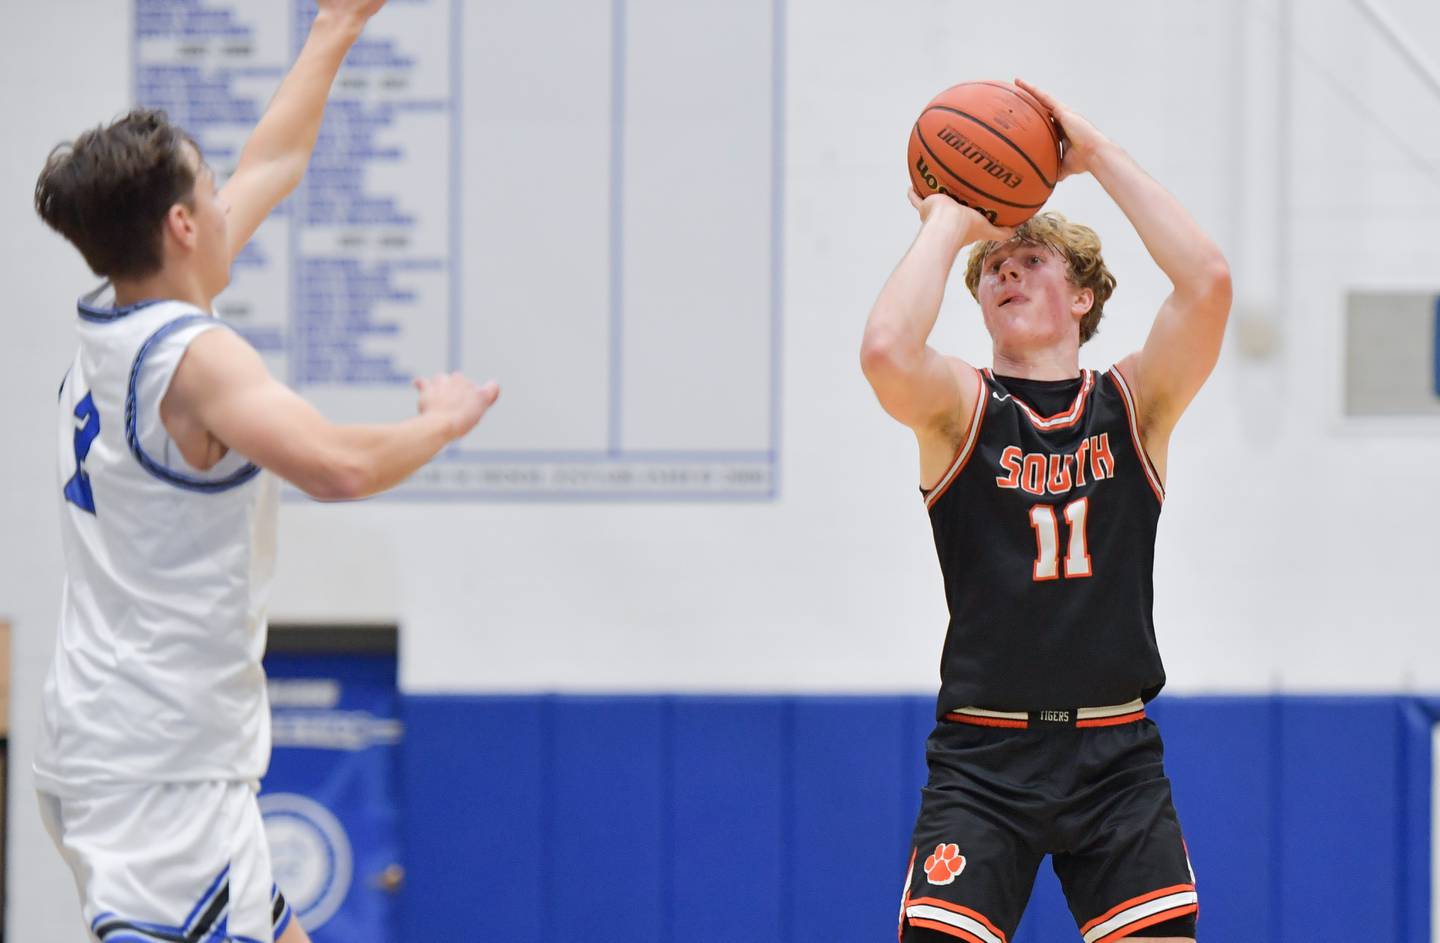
(1392, 355)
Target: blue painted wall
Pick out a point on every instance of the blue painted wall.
(787, 819)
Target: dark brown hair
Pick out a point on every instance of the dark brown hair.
(109, 190)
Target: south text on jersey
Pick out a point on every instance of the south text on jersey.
(1057, 473)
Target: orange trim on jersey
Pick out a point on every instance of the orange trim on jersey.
(1150, 473)
(957, 909)
(944, 928)
(1062, 420)
(1112, 721)
(975, 721)
(1126, 905)
(967, 448)
(1130, 929)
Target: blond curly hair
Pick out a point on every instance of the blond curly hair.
(1077, 244)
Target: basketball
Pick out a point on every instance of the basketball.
(991, 146)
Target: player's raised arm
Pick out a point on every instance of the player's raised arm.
(222, 385)
(275, 155)
(915, 383)
(1184, 342)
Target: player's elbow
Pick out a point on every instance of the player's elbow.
(882, 356)
(1217, 276)
(1209, 287)
(341, 478)
(1219, 291)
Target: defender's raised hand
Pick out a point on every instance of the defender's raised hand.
(274, 158)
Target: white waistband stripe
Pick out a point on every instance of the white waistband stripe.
(1094, 713)
(998, 715)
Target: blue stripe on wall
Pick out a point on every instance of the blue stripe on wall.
(666, 819)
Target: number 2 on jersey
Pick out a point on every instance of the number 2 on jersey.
(1047, 541)
(77, 489)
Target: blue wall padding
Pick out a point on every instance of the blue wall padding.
(787, 819)
(1338, 828)
(848, 806)
(1417, 790)
(726, 877)
(473, 820)
(1222, 760)
(607, 840)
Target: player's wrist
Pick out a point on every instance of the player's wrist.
(346, 27)
(1103, 156)
(950, 223)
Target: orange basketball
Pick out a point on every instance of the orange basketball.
(991, 146)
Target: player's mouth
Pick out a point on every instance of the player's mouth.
(1013, 296)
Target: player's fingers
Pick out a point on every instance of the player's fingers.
(1044, 98)
(913, 197)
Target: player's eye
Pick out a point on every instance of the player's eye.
(1034, 260)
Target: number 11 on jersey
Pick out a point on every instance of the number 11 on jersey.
(1047, 541)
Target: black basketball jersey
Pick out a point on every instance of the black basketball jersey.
(1045, 529)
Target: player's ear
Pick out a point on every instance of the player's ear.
(1082, 303)
(180, 225)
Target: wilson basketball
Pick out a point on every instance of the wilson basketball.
(991, 146)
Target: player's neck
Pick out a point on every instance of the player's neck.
(1057, 363)
(164, 284)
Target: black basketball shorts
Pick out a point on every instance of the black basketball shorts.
(1094, 798)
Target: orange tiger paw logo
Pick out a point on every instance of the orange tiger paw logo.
(945, 864)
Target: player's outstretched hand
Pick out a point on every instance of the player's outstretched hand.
(1081, 137)
(456, 398)
(976, 226)
(355, 11)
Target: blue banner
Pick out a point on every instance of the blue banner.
(329, 801)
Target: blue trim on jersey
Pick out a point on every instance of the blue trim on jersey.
(205, 923)
(132, 434)
(60, 394)
(120, 929)
(103, 314)
(286, 916)
(205, 898)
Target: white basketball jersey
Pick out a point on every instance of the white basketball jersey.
(157, 674)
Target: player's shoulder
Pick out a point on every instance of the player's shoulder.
(216, 356)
